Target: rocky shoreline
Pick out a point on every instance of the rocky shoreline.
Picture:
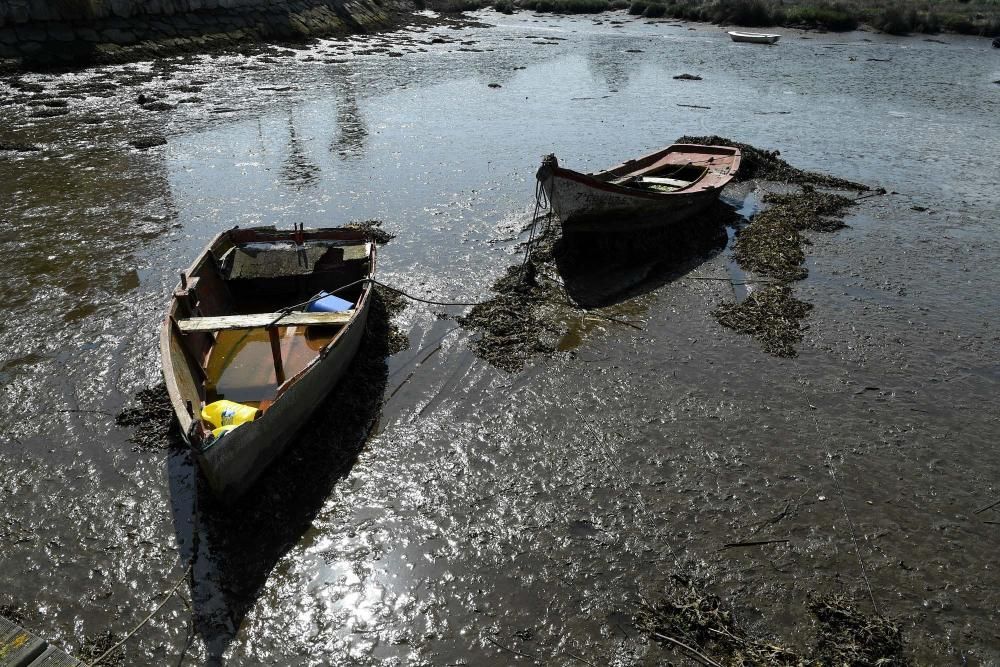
(49, 34)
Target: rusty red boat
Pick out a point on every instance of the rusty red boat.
(654, 191)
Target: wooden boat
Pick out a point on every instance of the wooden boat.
(754, 37)
(653, 191)
(240, 328)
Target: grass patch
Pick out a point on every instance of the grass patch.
(455, 6)
(654, 10)
(832, 17)
(751, 13)
(567, 6)
(972, 17)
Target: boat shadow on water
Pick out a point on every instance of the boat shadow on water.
(234, 548)
(607, 269)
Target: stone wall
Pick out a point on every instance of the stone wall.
(61, 32)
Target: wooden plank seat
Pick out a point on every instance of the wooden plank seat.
(224, 322)
(658, 180)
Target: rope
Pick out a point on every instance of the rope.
(854, 538)
(417, 298)
(541, 201)
(305, 304)
(145, 620)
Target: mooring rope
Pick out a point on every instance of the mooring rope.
(145, 620)
(541, 201)
(305, 304)
(854, 538)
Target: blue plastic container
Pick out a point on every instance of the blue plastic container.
(329, 303)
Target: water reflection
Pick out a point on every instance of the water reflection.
(297, 170)
(608, 66)
(352, 131)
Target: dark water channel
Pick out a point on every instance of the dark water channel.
(494, 512)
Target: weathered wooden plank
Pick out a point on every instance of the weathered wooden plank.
(256, 320)
(18, 648)
(53, 657)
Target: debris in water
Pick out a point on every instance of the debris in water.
(687, 617)
(95, 646)
(688, 77)
(373, 231)
(18, 147)
(147, 142)
(152, 418)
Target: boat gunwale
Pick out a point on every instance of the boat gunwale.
(594, 180)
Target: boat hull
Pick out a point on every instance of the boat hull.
(232, 464)
(587, 208)
(609, 202)
(754, 38)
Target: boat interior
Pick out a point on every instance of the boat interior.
(244, 319)
(676, 168)
(668, 178)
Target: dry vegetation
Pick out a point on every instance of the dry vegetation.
(898, 17)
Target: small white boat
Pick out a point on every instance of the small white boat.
(754, 37)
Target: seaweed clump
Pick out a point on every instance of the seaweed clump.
(846, 636)
(772, 244)
(694, 618)
(686, 618)
(13, 613)
(97, 645)
(387, 305)
(772, 316)
(373, 231)
(511, 329)
(152, 418)
(757, 163)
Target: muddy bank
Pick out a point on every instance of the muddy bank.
(771, 243)
(482, 511)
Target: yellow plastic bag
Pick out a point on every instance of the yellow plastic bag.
(222, 430)
(228, 413)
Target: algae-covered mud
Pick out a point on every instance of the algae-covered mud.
(652, 473)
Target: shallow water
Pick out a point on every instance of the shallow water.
(493, 512)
